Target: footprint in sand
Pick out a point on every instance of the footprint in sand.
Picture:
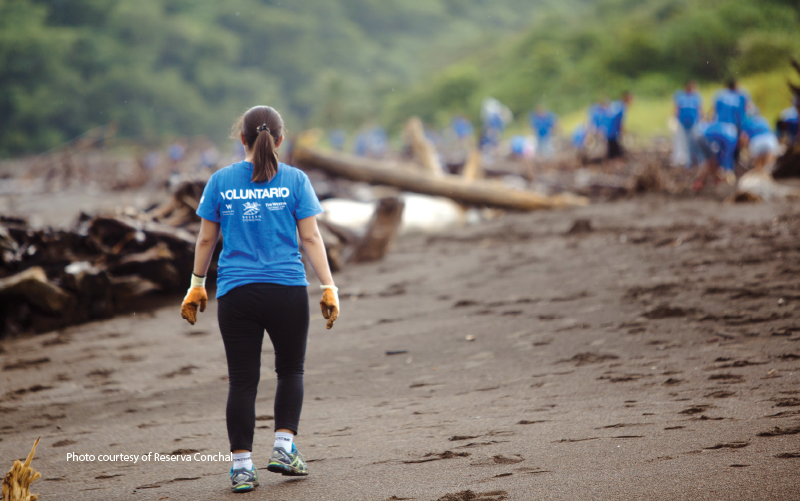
(778, 431)
(186, 370)
(24, 364)
(727, 445)
(437, 456)
(696, 409)
(589, 358)
(473, 496)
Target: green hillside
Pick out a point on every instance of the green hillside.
(572, 57)
(185, 67)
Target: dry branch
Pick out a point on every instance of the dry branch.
(17, 482)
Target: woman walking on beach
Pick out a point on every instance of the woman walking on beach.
(261, 205)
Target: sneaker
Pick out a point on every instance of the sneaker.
(243, 480)
(287, 464)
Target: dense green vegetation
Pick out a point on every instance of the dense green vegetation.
(185, 67)
(160, 68)
(570, 56)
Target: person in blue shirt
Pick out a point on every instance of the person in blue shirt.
(730, 105)
(494, 118)
(371, 142)
(717, 144)
(787, 125)
(260, 206)
(761, 141)
(337, 138)
(616, 124)
(462, 127)
(598, 119)
(544, 123)
(688, 105)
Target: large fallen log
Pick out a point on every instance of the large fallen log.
(410, 178)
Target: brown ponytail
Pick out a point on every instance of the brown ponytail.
(261, 127)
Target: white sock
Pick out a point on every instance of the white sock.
(242, 460)
(284, 440)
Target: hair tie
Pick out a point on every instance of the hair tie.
(262, 127)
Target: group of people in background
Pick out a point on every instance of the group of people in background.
(712, 141)
(734, 124)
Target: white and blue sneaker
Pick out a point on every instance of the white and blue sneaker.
(290, 464)
(244, 480)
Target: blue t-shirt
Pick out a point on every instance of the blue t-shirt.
(598, 118)
(543, 123)
(578, 136)
(730, 107)
(756, 126)
(749, 105)
(616, 115)
(259, 224)
(724, 136)
(791, 117)
(462, 127)
(689, 105)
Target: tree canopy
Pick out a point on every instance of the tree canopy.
(185, 67)
(572, 56)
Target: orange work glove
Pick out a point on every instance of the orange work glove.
(196, 296)
(330, 303)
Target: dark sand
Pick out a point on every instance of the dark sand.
(655, 357)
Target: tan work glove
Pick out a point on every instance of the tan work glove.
(195, 297)
(330, 303)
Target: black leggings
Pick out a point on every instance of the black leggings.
(244, 313)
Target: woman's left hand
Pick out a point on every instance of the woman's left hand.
(195, 298)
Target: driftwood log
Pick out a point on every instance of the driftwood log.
(410, 178)
(381, 231)
(423, 151)
(32, 284)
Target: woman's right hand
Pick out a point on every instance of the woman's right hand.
(330, 303)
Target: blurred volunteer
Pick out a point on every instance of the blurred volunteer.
(261, 205)
(717, 144)
(760, 140)
(789, 122)
(616, 124)
(598, 119)
(729, 105)
(688, 105)
(543, 123)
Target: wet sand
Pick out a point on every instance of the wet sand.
(656, 356)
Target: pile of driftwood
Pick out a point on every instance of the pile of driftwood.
(52, 278)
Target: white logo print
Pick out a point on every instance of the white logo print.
(251, 208)
(229, 206)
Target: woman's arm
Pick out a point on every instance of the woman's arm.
(197, 298)
(315, 249)
(204, 249)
